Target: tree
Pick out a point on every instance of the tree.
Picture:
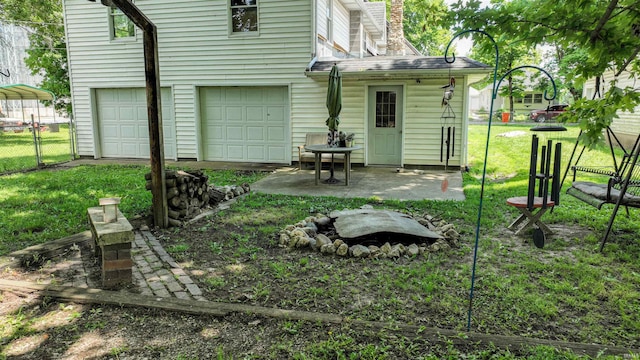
(512, 55)
(592, 37)
(47, 54)
(560, 62)
(425, 25)
(513, 52)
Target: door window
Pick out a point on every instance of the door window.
(385, 109)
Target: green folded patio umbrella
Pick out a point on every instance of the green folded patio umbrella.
(334, 98)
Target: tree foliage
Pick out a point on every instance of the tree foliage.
(512, 55)
(591, 37)
(47, 54)
(426, 25)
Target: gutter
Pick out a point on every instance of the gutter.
(401, 74)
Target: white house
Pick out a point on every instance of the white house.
(627, 125)
(245, 80)
(530, 99)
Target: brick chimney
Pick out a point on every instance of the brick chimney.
(395, 38)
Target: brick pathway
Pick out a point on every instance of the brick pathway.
(155, 272)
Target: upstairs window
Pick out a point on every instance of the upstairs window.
(244, 16)
(121, 26)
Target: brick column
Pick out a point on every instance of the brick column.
(113, 247)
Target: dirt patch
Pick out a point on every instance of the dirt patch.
(236, 258)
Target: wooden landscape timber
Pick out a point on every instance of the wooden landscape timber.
(37, 254)
(432, 334)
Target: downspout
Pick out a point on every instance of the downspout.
(314, 31)
(72, 88)
(314, 42)
(311, 63)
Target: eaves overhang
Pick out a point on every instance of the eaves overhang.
(368, 19)
(384, 67)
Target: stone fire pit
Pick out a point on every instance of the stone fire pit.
(370, 233)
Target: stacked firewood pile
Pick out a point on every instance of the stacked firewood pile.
(188, 193)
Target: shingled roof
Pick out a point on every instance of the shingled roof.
(390, 66)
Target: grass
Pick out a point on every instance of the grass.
(517, 286)
(39, 206)
(17, 150)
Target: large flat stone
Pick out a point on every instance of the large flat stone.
(357, 223)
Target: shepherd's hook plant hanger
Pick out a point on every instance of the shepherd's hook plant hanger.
(494, 93)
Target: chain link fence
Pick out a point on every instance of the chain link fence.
(31, 145)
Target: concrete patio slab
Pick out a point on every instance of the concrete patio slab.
(385, 183)
(366, 182)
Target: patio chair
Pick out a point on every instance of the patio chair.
(316, 138)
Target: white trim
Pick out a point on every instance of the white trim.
(198, 122)
(97, 153)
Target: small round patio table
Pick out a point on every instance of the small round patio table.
(318, 150)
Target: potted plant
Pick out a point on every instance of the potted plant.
(345, 140)
(342, 137)
(349, 139)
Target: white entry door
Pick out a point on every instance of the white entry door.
(385, 125)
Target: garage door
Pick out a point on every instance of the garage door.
(245, 124)
(122, 121)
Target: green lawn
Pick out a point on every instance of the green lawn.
(519, 288)
(44, 205)
(17, 150)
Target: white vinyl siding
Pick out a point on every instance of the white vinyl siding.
(627, 125)
(310, 114)
(422, 124)
(341, 26)
(321, 10)
(194, 49)
(197, 52)
(338, 18)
